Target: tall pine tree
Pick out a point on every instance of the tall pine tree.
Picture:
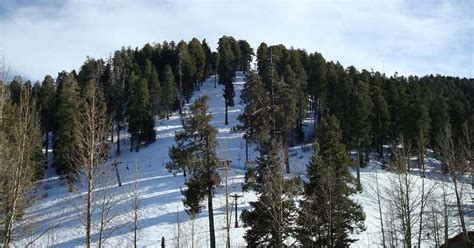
(169, 91)
(225, 71)
(328, 215)
(65, 139)
(196, 152)
(47, 106)
(140, 120)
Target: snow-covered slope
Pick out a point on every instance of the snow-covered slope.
(161, 207)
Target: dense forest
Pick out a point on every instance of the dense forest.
(74, 122)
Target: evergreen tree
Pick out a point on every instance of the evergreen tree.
(328, 215)
(196, 152)
(199, 60)
(359, 123)
(247, 53)
(317, 78)
(154, 88)
(118, 96)
(418, 116)
(380, 114)
(271, 218)
(208, 68)
(226, 73)
(140, 121)
(65, 139)
(263, 63)
(14, 88)
(91, 70)
(47, 108)
(188, 70)
(256, 118)
(286, 114)
(300, 87)
(169, 92)
(439, 114)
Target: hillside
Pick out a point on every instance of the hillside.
(160, 199)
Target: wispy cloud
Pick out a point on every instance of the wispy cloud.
(47, 36)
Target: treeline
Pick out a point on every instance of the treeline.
(373, 109)
(353, 110)
(136, 87)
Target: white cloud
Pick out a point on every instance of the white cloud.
(428, 37)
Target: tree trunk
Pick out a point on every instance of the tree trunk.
(246, 151)
(46, 145)
(118, 138)
(460, 208)
(226, 117)
(89, 212)
(287, 157)
(211, 217)
(358, 184)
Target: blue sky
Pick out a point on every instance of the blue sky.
(411, 37)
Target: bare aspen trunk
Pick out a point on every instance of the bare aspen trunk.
(380, 210)
(20, 172)
(89, 212)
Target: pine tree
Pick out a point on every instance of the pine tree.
(196, 152)
(300, 88)
(271, 218)
(169, 91)
(47, 105)
(225, 71)
(188, 70)
(65, 139)
(90, 70)
(119, 79)
(247, 53)
(263, 63)
(140, 121)
(199, 60)
(287, 113)
(14, 88)
(327, 214)
(380, 114)
(154, 88)
(359, 123)
(256, 119)
(208, 68)
(439, 118)
(317, 78)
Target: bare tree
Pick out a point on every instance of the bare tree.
(454, 154)
(90, 156)
(18, 167)
(135, 204)
(403, 196)
(377, 188)
(107, 211)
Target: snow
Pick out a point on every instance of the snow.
(161, 199)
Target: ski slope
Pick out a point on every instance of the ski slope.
(161, 209)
